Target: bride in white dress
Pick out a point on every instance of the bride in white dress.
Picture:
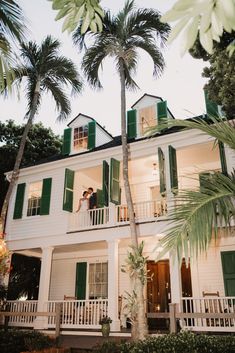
(83, 206)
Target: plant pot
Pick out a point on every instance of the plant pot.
(105, 329)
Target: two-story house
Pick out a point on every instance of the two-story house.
(82, 252)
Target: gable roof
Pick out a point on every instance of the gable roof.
(89, 117)
(152, 96)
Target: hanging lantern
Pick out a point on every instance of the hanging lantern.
(3, 247)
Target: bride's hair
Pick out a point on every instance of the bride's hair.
(84, 193)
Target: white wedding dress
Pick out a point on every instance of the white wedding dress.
(83, 214)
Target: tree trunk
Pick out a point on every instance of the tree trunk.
(19, 156)
(140, 331)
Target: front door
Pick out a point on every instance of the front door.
(158, 291)
(228, 265)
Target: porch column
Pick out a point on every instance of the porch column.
(44, 286)
(113, 271)
(230, 159)
(175, 277)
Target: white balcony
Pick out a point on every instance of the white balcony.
(145, 211)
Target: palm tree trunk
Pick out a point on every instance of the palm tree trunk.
(139, 327)
(19, 156)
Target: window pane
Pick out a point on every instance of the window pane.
(34, 199)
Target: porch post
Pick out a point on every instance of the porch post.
(175, 277)
(113, 284)
(230, 159)
(44, 285)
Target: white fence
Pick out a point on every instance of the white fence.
(209, 313)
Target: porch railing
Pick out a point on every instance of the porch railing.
(79, 313)
(209, 314)
(144, 211)
(103, 217)
(97, 217)
(24, 306)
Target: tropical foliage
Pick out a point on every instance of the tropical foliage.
(220, 73)
(206, 18)
(12, 30)
(44, 70)
(198, 215)
(41, 144)
(122, 36)
(86, 13)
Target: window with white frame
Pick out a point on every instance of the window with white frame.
(147, 118)
(80, 137)
(98, 280)
(34, 198)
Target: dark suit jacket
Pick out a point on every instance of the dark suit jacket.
(93, 200)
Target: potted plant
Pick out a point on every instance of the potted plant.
(105, 322)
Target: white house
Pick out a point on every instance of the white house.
(81, 255)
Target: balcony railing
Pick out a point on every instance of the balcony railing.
(110, 216)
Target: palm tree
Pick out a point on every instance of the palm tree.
(12, 30)
(131, 29)
(45, 71)
(199, 214)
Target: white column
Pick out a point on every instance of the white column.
(44, 286)
(230, 158)
(175, 277)
(113, 271)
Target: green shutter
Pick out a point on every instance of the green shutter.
(80, 286)
(211, 107)
(223, 158)
(100, 198)
(161, 111)
(19, 201)
(115, 181)
(161, 160)
(105, 186)
(173, 168)
(228, 265)
(131, 124)
(46, 196)
(68, 190)
(203, 178)
(91, 135)
(66, 142)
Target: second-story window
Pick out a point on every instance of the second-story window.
(80, 137)
(147, 118)
(98, 280)
(34, 199)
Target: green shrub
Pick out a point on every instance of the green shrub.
(174, 343)
(16, 341)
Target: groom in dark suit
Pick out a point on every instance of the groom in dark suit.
(92, 204)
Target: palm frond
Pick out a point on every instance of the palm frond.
(61, 100)
(219, 127)
(197, 213)
(12, 21)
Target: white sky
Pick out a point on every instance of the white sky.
(181, 83)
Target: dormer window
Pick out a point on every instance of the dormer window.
(147, 118)
(80, 137)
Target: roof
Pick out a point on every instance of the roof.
(89, 117)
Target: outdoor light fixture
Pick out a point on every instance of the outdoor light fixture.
(154, 171)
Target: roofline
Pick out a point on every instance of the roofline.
(146, 94)
(89, 117)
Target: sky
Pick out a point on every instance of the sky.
(181, 83)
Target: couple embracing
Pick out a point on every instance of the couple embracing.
(87, 202)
